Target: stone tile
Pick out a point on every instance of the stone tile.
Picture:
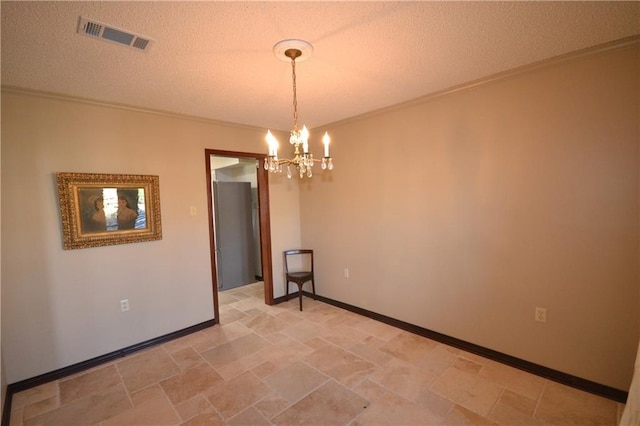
(303, 331)
(562, 405)
(248, 303)
(242, 291)
(514, 409)
(467, 365)
(468, 390)
(343, 366)
(516, 380)
(139, 371)
(204, 345)
(291, 306)
(434, 403)
(320, 312)
(369, 350)
(250, 416)
(290, 317)
(265, 369)
(239, 393)
(222, 334)
(392, 409)
(150, 408)
(295, 381)
(286, 351)
(371, 391)
(209, 418)
(238, 293)
(255, 290)
(307, 302)
(191, 382)
(224, 298)
(468, 355)
(403, 378)
(187, 358)
(86, 411)
(197, 339)
(40, 407)
(354, 319)
(235, 349)
(331, 404)
(253, 312)
(271, 405)
(378, 329)
(241, 365)
(276, 337)
(343, 335)
(409, 347)
(98, 367)
(460, 416)
(278, 355)
(194, 407)
(16, 417)
(33, 395)
(91, 383)
(373, 342)
(436, 361)
(316, 343)
(226, 307)
(264, 324)
(340, 318)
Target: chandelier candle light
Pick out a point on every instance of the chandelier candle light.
(303, 160)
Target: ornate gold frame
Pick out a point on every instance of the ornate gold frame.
(72, 191)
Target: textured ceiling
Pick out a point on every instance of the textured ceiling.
(215, 60)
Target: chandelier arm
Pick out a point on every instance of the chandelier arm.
(296, 161)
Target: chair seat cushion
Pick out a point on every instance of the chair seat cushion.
(299, 275)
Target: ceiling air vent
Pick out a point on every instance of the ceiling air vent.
(106, 32)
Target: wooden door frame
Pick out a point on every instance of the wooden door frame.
(265, 227)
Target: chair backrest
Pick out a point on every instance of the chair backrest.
(298, 260)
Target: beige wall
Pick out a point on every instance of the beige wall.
(60, 307)
(464, 212)
(287, 221)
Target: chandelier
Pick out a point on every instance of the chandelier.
(302, 159)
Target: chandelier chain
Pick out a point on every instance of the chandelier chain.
(295, 98)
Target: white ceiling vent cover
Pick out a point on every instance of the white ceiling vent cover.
(106, 32)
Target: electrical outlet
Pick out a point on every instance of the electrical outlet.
(124, 305)
(541, 314)
(346, 272)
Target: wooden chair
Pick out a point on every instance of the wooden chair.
(299, 277)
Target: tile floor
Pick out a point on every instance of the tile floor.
(274, 365)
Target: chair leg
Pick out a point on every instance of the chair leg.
(300, 295)
(313, 288)
(287, 289)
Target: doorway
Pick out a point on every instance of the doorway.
(236, 199)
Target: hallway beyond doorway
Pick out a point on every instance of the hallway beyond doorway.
(234, 301)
